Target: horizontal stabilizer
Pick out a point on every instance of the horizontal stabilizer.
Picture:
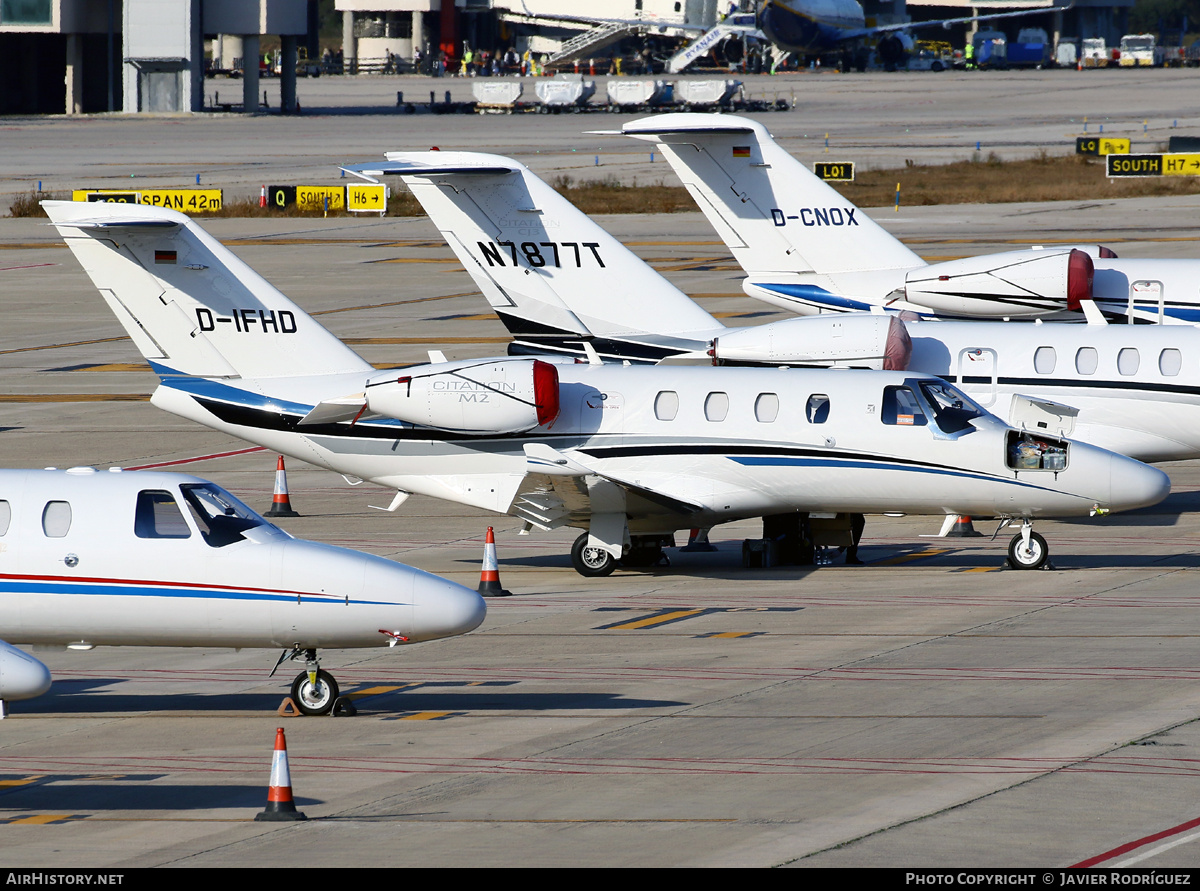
(333, 411)
(390, 168)
(122, 224)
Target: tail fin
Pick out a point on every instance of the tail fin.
(188, 303)
(553, 276)
(773, 213)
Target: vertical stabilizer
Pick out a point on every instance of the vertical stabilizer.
(189, 304)
(777, 218)
(546, 268)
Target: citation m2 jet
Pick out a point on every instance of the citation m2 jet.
(94, 558)
(628, 453)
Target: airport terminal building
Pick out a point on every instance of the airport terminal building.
(85, 56)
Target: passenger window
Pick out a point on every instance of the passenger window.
(666, 405)
(158, 516)
(1044, 359)
(716, 406)
(1086, 360)
(1170, 362)
(56, 519)
(1128, 361)
(766, 408)
(5, 517)
(900, 408)
(817, 409)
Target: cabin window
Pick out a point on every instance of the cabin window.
(1128, 361)
(766, 408)
(901, 408)
(56, 519)
(1086, 360)
(5, 517)
(817, 409)
(666, 405)
(953, 410)
(1170, 361)
(716, 406)
(158, 516)
(1044, 359)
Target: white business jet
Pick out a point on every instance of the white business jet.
(806, 248)
(557, 280)
(629, 453)
(91, 558)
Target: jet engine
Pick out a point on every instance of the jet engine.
(1014, 284)
(21, 675)
(839, 340)
(489, 397)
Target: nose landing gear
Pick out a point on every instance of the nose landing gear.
(314, 691)
(1027, 550)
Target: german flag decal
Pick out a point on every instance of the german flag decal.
(741, 151)
(164, 257)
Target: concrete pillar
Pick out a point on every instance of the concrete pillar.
(74, 79)
(349, 44)
(418, 32)
(287, 74)
(250, 72)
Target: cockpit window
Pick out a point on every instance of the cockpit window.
(221, 518)
(953, 410)
(158, 516)
(900, 408)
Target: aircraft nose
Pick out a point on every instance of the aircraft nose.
(21, 675)
(1133, 484)
(445, 609)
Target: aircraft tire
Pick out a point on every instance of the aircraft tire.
(314, 699)
(1032, 557)
(589, 561)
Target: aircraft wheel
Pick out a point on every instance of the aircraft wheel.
(1031, 557)
(590, 561)
(314, 699)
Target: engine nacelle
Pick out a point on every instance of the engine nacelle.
(481, 397)
(847, 340)
(21, 675)
(1014, 284)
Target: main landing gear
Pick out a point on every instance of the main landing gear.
(314, 690)
(1027, 550)
(593, 562)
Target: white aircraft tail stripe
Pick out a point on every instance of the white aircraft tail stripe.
(189, 304)
(775, 215)
(541, 263)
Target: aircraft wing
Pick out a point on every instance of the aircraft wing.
(559, 486)
(856, 33)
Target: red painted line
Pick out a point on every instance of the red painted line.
(30, 266)
(1134, 845)
(198, 458)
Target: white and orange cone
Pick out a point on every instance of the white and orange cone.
(698, 542)
(280, 806)
(281, 504)
(963, 528)
(489, 578)
(262, 197)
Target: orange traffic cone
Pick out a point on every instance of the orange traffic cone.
(963, 528)
(281, 504)
(698, 541)
(489, 578)
(280, 806)
(262, 197)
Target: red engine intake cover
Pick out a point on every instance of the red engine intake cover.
(545, 391)
(1080, 271)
